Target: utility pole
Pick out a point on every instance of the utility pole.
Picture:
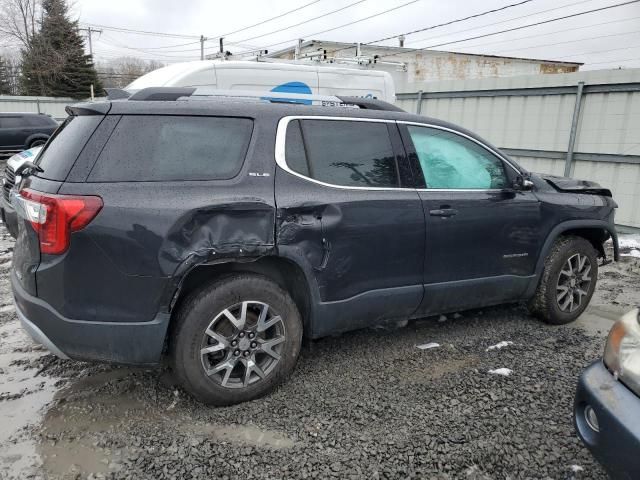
(90, 31)
(202, 40)
(222, 47)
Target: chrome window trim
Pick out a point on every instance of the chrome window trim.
(281, 135)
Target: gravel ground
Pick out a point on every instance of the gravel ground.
(368, 404)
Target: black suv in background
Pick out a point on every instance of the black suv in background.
(20, 131)
(220, 232)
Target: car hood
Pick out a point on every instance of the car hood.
(565, 184)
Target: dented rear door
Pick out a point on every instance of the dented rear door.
(344, 213)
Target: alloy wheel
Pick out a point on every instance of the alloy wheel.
(574, 282)
(242, 344)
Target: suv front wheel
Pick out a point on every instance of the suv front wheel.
(236, 339)
(568, 281)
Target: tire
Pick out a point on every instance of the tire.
(37, 142)
(263, 342)
(562, 297)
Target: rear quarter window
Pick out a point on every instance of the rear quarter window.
(173, 148)
(65, 145)
(40, 121)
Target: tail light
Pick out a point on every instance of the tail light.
(55, 217)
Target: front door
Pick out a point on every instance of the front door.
(345, 210)
(481, 233)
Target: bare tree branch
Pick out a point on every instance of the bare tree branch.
(19, 20)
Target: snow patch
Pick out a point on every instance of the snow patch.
(629, 241)
(427, 346)
(633, 253)
(505, 372)
(499, 345)
(576, 468)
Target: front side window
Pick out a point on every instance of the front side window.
(340, 152)
(172, 148)
(450, 161)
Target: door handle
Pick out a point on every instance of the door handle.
(443, 212)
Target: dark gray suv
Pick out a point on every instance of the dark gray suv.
(20, 131)
(219, 232)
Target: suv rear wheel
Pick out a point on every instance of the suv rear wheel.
(568, 281)
(236, 339)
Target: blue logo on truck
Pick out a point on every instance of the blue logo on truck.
(291, 87)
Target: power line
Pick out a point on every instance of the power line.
(551, 33)
(481, 14)
(119, 45)
(239, 42)
(460, 20)
(267, 20)
(142, 32)
(303, 22)
(347, 24)
(173, 35)
(493, 24)
(543, 22)
(564, 43)
(172, 46)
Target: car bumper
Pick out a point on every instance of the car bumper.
(617, 443)
(131, 343)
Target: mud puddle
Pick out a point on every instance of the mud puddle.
(23, 395)
(242, 434)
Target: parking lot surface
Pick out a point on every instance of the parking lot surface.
(488, 395)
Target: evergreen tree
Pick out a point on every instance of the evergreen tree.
(5, 83)
(55, 64)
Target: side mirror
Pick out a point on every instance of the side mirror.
(522, 184)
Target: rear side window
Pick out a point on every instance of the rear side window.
(345, 153)
(172, 148)
(64, 146)
(12, 122)
(40, 121)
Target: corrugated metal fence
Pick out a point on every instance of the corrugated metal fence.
(583, 125)
(49, 105)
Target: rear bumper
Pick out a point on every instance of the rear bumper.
(131, 343)
(617, 443)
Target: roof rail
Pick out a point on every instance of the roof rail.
(175, 93)
(159, 94)
(371, 103)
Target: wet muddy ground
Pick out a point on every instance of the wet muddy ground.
(369, 404)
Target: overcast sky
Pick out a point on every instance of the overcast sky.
(604, 39)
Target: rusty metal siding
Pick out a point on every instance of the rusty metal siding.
(536, 124)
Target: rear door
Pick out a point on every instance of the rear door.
(345, 211)
(481, 234)
(14, 131)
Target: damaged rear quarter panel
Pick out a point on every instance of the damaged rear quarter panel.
(160, 230)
